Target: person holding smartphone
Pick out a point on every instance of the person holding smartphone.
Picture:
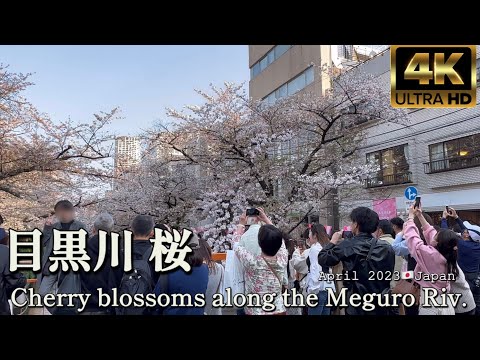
(299, 263)
(317, 239)
(360, 255)
(468, 253)
(248, 239)
(253, 217)
(435, 253)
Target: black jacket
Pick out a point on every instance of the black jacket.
(47, 243)
(8, 281)
(105, 278)
(353, 253)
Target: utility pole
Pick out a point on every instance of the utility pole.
(334, 215)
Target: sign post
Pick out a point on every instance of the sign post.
(411, 193)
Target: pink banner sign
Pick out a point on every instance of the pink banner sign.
(347, 228)
(385, 208)
(328, 229)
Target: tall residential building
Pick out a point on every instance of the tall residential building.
(277, 71)
(127, 153)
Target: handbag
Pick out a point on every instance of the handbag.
(296, 283)
(283, 288)
(405, 287)
(70, 284)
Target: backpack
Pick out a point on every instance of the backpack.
(67, 283)
(137, 281)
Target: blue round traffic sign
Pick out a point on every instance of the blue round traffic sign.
(411, 193)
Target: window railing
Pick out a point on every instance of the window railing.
(454, 163)
(402, 177)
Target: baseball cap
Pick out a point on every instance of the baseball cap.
(473, 230)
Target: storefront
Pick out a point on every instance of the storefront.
(472, 216)
(466, 202)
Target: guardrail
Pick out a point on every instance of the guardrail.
(453, 163)
(385, 180)
(219, 256)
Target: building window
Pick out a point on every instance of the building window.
(298, 83)
(345, 51)
(393, 165)
(270, 57)
(454, 154)
(478, 71)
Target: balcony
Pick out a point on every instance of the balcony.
(404, 177)
(459, 162)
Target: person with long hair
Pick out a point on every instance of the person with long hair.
(468, 262)
(435, 253)
(291, 274)
(318, 239)
(193, 283)
(215, 278)
(300, 266)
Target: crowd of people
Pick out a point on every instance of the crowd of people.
(269, 261)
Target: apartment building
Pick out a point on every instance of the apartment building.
(438, 153)
(278, 71)
(127, 153)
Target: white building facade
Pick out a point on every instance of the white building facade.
(438, 154)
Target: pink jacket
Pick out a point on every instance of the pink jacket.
(429, 260)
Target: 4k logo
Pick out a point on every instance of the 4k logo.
(433, 76)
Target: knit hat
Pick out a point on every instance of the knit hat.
(473, 230)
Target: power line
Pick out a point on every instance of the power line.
(422, 122)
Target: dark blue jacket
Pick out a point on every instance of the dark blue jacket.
(180, 282)
(468, 251)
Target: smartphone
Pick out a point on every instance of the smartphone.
(447, 209)
(347, 234)
(252, 212)
(417, 202)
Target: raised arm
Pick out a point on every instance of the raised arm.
(428, 258)
(453, 213)
(399, 245)
(444, 223)
(428, 230)
(240, 229)
(245, 257)
(333, 252)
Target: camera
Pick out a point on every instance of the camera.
(347, 234)
(252, 212)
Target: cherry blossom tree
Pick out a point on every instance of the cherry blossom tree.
(286, 157)
(151, 188)
(41, 160)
